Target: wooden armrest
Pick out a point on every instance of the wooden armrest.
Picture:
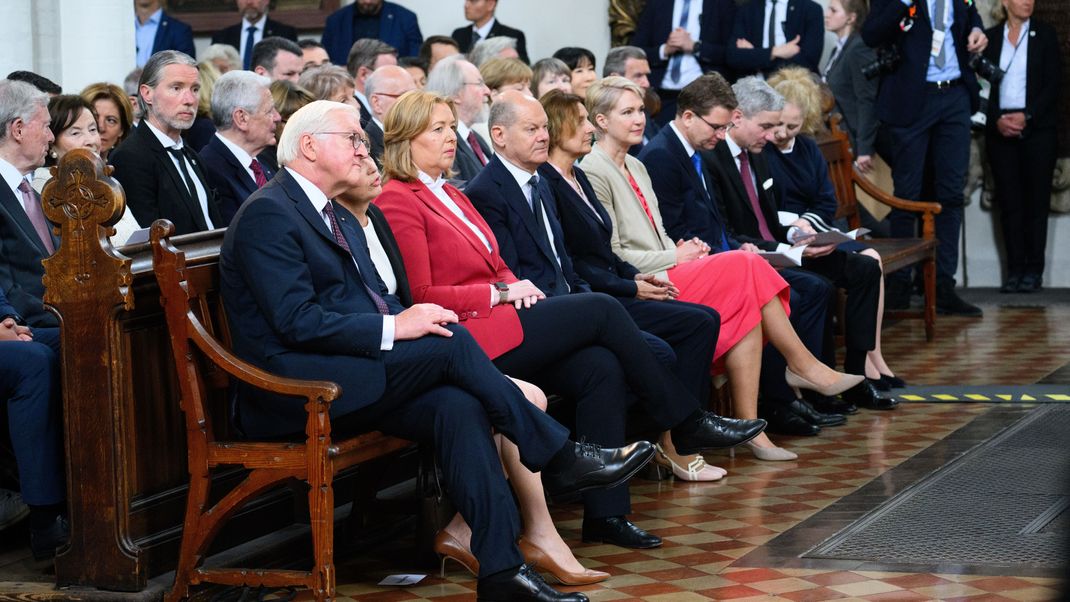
(319, 391)
(893, 201)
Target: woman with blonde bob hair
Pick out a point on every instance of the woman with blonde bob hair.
(417, 126)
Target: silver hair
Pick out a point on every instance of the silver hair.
(617, 57)
(153, 72)
(18, 100)
(309, 119)
(225, 52)
(484, 50)
(236, 90)
(130, 83)
(447, 78)
(755, 95)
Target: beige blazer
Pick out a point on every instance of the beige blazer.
(634, 239)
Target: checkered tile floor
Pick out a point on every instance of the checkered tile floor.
(707, 528)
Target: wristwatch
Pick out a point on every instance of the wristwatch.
(503, 292)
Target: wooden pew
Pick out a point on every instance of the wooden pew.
(896, 253)
(125, 434)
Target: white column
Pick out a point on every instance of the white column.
(16, 45)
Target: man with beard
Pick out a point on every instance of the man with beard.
(255, 26)
(160, 175)
(384, 21)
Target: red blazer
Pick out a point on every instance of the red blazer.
(447, 264)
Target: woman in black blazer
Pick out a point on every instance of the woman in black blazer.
(856, 94)
(1021, 137)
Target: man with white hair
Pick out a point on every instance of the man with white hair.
(412, 373)
(245, 119)
(460, 80)
(29, 362)
(382, 89)
(161, 176)
(500, 47)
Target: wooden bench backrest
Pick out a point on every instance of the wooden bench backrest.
(836, 149)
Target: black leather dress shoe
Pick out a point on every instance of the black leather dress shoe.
(784, 421)
(893, 382)
(522, 586)
(830, 405)
(597, 468)
(618, 531)
(713, 432)
(879, 384)
(1012, 285)
(1031, 283)
(43, 542)
(809, 414)
(865, 395)
(949, 303)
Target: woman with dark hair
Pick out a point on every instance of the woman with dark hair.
(74, 125)
(115, 114)
(856, 94)
(550, 74)
(582, 64)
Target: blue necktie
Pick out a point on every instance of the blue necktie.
(250, 41)
(678, 58)
(696, 160)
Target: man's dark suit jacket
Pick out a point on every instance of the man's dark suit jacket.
(229, 178)
(901, 93)
(466, 164)
(1042, 79)
(734, 201)
(587, 237)
(21, 252)
(688, 210)
(856, 94)
(233, 35)
(155, 188)
(501, 202)
(397, 26)
(173, 34)
(463, 37)
(715, 26)
(298, 305)
(375, 137)
(805, 18)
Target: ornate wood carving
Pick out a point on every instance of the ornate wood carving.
(623, 17)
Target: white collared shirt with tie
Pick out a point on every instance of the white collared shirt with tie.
(202, 194)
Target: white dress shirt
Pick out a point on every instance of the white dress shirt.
(381, 259)
(257, 35)
(482, 32)
(690, 150)
(523, 178)
(319, 201)
(202, 195)
(1013, 61)
(781, 15)
(14, 179)
(239, 153)
(736, 149)
(690, 70)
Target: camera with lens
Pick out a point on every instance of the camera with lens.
(985, 68)
(887, 60)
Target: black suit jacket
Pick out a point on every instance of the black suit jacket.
(737, 210)
(393, 253)
(21, 253)
(501, 202)
(587, 236)
(233, 35)
(463, 37)
(715, 27)
(229, 178)
(154, 187)
(901, 93)
(173, 34)
(466, 165)
(856, 94)
(688, 209)
(375, 137)
(1043, 73)
(804, 18)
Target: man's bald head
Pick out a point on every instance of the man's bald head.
(518, 130)
(384, 86)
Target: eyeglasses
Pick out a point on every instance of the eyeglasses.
(356, 139)
(387, 94)
(713, 126)
(478, 83)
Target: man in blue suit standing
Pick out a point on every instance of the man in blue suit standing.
(156, 30)
(926, 99)
(304, 300)
(385, 21)
(245, 120)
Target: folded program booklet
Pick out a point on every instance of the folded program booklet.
(832, 237)
(788, 258)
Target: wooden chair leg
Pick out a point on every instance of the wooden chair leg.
(321, 513)
(929, 275)
(189, 555)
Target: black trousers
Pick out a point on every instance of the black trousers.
(445, 392)
(860, 276)
(810, 297)
(1022, 169)
(587, 348)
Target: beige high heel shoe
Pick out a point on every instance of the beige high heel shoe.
(844, 382)
(771, 454)
(696, 470)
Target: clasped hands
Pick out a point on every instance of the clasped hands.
(651, 288)
(785, 51)
(679, 41)
(1011, 125)
(10, 331)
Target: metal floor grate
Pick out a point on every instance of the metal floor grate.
(1003, 503)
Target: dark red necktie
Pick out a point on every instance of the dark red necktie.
(478, 150)
(380, 304)
(258, 173)
(752, 194)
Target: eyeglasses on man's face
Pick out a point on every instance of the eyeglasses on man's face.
(355, 138)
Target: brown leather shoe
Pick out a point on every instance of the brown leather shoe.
(542, 561)
(447, 546)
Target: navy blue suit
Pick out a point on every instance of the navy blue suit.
(300, 305)
(173, 34)
(229, 178)
(715, 24)
(501, 202)
(29, 387)
(398, 27)
(21, 253)
(804, 18)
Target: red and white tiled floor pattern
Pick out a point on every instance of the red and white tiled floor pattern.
(708, 527)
